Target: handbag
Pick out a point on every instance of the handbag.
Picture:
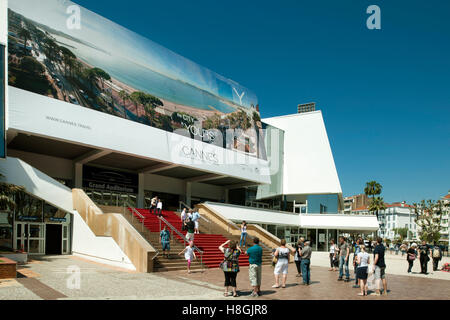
(411, 257)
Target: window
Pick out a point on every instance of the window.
(323, 209)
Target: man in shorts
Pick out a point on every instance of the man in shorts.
(379, 267)
(165, 241)
(190, 230)
(195, 218)
(255, 269)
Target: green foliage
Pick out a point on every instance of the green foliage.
(376, 205)
(7, 193)
(373, 188)
(402, 232)
(32, 65)
(428, 217)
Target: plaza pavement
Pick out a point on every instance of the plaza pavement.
(46, 279)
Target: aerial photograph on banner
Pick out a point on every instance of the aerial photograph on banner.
(97, 64)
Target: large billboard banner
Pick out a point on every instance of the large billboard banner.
(62, 51)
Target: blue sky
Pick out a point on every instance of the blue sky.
(384, 94)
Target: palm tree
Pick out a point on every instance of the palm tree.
(376, 205)
(124, 96)
(150, 113)
(373, 189)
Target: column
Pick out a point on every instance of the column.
(78, 174)
(226, 195)
(188, 193)
(140, 197)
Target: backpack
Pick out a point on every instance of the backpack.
(436, 253)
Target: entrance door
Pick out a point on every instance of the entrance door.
(30, 237)
(53, 236)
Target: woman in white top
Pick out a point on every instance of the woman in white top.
(332, 255)
(282, 253)
(189, 255)
(363, 260)
(243, 234)
(183, 217)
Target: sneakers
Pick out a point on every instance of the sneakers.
(254, 294)
(347, 280)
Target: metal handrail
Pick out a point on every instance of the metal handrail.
(182, 237)
(142, 222)
(137, 213)
(185, 205)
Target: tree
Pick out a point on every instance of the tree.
(402, 232)
(91, 77)
(7, 194)
(428, 218)
(376, 205)
(150, 113)
(31, 65)
(68, 58)
(124, 96)
(373, 189)
(25, 35)
(102, 75)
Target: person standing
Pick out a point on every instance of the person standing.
(183, 218)
(153, 203)
(411, 255)
(357, 249)
(306, 252)
(230, 265)
(195, 219)
(379, 267)
(298, 257)
(436, 254)
(190, 230)
(403, 248)
(189, 255)
(159, 208)
(344, 252)
(243, 233)
(424, 257)
(282, 253)
(164, 239)
(255, 268)
(363, 260)
(332, 255)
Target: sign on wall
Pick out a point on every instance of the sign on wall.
(109, 180)
(65, 52)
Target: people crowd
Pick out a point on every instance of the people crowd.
(368, 258)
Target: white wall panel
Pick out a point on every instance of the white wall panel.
(309, 166)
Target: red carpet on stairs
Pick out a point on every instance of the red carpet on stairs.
(208, 243)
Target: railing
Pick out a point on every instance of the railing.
(184, 205)
(127, 206)
(173, 229)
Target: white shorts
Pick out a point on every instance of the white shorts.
(189, 236)
(196, 224)
(281, 268)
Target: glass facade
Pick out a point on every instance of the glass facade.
(323, 203)
(2, 102)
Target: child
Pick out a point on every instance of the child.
(189, 254)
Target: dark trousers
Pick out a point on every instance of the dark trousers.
(331, 260)
(298, 265)
(230, 279)
(435, 264)
(411, 263)
(423, 264)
